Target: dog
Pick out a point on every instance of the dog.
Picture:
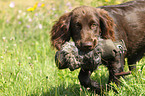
(86, 25)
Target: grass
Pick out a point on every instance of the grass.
(27, 65)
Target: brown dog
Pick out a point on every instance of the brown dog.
(87, 24)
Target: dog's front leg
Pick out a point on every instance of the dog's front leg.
(84, 78)
(115, 66)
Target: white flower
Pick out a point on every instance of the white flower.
(29, 58)
(18, 17)
(66, 11)
(139, 70)
(99, 69)
(2, 57)
(24, 13)
(40, 26)
(20, 40)
(20, 11)
(53, 9)
(15, 44)
(4, 38)
(12, 38)
(30, 20)
(12, 5)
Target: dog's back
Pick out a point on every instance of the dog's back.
(129, 21)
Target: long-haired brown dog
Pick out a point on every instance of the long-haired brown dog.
(86, 24)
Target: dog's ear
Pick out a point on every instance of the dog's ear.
(60, 31)
(106, 25)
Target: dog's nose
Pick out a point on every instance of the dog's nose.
(87, 45)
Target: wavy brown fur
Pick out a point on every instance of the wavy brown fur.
(108, 31)
(60, 31)
(117, 22)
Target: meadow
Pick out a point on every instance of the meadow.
(27, 65)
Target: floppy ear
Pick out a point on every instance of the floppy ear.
(106, 25)
(60, 31)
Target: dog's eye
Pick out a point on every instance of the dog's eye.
(93, 26)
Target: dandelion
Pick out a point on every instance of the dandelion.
(31, 9)
(12, 5)
(106, 0)
(35, 6)
(40, 26)
(42, 5)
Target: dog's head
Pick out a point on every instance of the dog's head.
(84, 24)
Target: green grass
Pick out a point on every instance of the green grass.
(27, 65)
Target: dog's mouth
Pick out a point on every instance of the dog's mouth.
(86, 46)
(85, 49)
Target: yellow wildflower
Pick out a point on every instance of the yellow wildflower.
(42, 5)
(106, 0)
(30, 9)
(35, 5)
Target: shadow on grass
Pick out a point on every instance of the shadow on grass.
(61, 90)
(73, 89)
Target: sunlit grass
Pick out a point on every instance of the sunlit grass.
(27, 64)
